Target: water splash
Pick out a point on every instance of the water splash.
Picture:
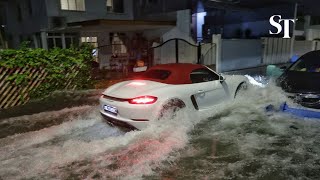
(236, 140)
(242, 141)
(86, 147)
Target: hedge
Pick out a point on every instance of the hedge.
(56, 63)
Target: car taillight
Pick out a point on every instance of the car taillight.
(143, 100)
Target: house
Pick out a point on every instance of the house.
(122, 30)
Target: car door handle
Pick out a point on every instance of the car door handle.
(200, 91)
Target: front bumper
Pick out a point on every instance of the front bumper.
(123, 122)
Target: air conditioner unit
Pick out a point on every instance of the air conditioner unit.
(57, 22)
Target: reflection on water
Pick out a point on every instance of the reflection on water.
(236, 140)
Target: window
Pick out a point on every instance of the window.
(61, 41)
(91, 40)
(315, 20)
(73, 5)
(157, 74)
(109, 4)
(307, 63)
(54, 42)
(71, 40)
(203, 75)
(115, 6)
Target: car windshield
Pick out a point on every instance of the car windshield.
(309, 63)
(157, 74)
(203, 75)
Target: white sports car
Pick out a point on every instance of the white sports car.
(164, 89)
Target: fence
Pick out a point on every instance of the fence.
(181, 51)
(12, 94)
(277, 50)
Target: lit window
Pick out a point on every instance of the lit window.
(92, 40)
(73, 5)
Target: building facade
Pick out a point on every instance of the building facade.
(121, 29)
(45, 22)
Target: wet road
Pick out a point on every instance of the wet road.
(237, 140)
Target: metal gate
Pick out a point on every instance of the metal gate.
(171, 51)
(181, 51)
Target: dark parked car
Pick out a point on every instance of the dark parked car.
(302, 80)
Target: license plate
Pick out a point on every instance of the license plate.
(110, 109)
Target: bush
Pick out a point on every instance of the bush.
(57, 63)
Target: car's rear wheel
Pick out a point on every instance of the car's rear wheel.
(241, 89)
(170, 108)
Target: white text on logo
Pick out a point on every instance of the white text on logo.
(279, 27)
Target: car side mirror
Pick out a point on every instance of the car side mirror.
(222, 78)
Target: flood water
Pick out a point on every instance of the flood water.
(237, 140)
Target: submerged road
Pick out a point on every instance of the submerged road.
(238, 140)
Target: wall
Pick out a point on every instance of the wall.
(257, 20)
(3, 9)
(258, 28)
(302, 47)
(146, 9)
(313, 33)
(94, 10)
(240, 54)
(276, 50)
(29, 24)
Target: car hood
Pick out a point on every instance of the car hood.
(133, 88)
(300, 82)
